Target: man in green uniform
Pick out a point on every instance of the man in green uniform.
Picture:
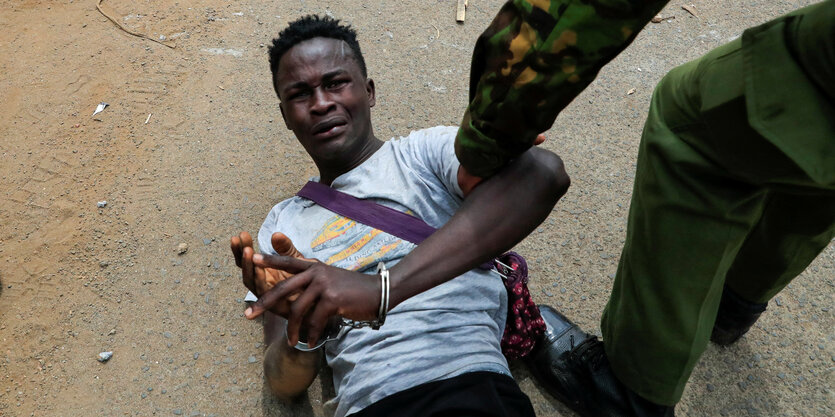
(734, 192)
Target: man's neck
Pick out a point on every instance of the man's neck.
(330, 170)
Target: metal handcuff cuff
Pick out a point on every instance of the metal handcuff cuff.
(334, 327)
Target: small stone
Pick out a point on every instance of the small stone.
(252, 359)
(207, 241)
(778, 301)
(150, 389)
(105, 356)
(101, 204)
(144, 395)
(182, 248)
(163, 391)
(104, 264)
(178, 412)
(710, 388)
(742, 385)
(112, 332)
(166, 335)
(196, 355)
(781, 375)
(207, 374)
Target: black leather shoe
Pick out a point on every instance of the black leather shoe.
(736, 316)
(572, 366)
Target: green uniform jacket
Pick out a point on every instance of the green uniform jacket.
(537, 55)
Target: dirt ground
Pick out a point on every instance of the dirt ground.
(192, 149)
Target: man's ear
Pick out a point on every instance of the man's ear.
(369, 88)
(283, 117)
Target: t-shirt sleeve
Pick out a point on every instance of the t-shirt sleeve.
(434, 151)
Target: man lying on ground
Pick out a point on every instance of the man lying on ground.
(438, 351)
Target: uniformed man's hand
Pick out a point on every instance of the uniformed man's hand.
(326, 291)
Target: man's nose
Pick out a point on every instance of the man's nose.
(322, 102)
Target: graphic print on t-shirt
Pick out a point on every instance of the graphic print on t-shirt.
(363, 245)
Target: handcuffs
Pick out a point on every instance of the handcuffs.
(334, 327)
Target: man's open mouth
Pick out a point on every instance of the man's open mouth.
(329, 126)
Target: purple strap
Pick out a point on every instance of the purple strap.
(389, 220)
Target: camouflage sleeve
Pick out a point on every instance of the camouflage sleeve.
(533, 59)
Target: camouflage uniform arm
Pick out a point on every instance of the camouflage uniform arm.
(533, 59)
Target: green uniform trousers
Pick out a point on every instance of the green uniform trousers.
(735, 185)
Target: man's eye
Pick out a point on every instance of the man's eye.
(299, 94)
(337, 83)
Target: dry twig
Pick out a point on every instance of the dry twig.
(690, 9)
(121, 26)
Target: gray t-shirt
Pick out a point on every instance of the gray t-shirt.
(446, 331)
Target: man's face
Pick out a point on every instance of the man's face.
(325, 99)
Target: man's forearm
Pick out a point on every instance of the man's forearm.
(530, 63)
(289, 372)
(498, 214)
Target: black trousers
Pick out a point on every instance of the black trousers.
(475, 394)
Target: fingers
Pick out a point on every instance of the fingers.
(272, 297)
(284, 246)
(317, 322)
(540, 139)
(237, 243)
(246, 239)
(284, 263)
(247, 269)
(297, 314)
(260, 280)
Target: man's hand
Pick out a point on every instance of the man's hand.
(325, 291)
(259, 279)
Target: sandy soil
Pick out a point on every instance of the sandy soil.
(214, 157)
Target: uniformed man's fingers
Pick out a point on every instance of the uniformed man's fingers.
(247, 268)
(317, 321)
(540, 139)
(297, 314)
(284, 263)
(270, 298)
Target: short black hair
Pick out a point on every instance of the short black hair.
(314, 26)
